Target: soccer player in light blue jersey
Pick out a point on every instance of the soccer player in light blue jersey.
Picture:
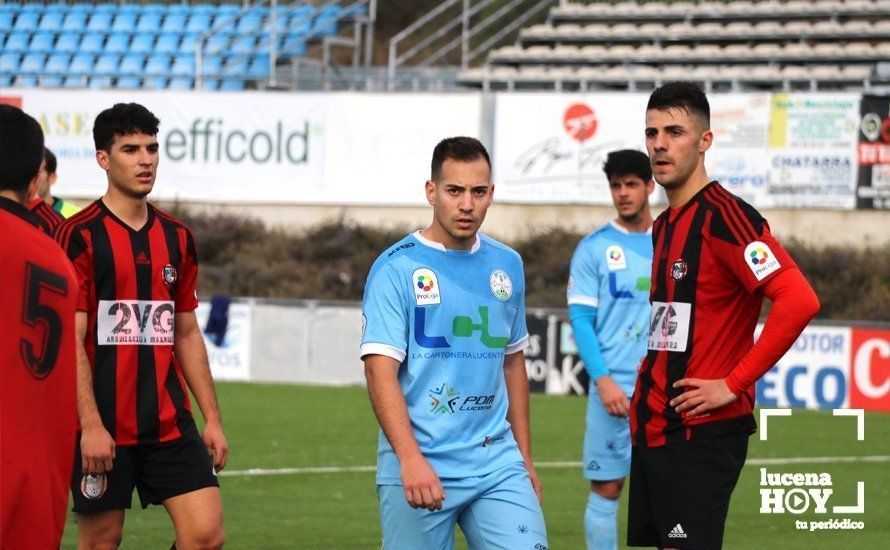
(608, 296)
(443, 337)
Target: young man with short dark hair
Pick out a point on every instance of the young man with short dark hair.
(443, 340)
(50, 218)
(38, 297)
(48, 178)
(715, 260)
(608, 297)
(139, 346)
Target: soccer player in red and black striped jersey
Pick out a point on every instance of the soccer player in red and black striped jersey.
(50, 219)
(714, 261)
(38, 297)
(140, 346)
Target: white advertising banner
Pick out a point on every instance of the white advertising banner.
(231, 360)
(550, 148)
(812, 150)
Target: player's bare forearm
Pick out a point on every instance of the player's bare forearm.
(87, 410)
(517, 396)
(388, 402)
(188, 345)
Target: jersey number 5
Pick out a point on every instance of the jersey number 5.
(38, 279)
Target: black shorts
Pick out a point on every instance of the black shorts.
(159, 471)
(679, 493)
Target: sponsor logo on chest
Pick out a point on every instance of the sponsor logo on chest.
(669, 326)
(135, 323)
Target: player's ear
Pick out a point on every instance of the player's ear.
(102, 159)
(431, 192)
(650, 186)
(705, 141)
(52, 178)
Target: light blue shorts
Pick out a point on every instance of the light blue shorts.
(606, 442)
(496, 511)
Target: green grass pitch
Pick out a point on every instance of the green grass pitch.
(282, 426)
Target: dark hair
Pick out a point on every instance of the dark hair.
(628, 162)
(123, 119)
(463, 149)
(50, 159)
(688, 96)
(21, 149)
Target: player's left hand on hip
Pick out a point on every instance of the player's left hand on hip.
(216, 444)
(536, 482)
(701, 396)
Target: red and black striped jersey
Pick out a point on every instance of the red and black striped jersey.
(38, 394)
(131, 285)
(50, 220)
(710, 258)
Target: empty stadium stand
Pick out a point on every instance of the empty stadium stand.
(165, 46)
(736, 45)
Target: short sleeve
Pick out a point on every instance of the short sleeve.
(743, 244)
(186, 286)
(519, 329)
(81, 258)
(584, 278)
(384, 315)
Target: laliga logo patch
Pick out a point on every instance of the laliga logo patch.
(615, 258)
(761, 260)
(679, 269)
(93, 486)
(426, 287)
(170, 274)
(501, 285)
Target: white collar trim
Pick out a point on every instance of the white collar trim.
(621, 229)
(439, 246)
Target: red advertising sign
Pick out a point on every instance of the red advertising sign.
(870, 370)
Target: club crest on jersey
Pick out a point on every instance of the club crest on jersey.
(615, 258)
(501, 285)
(678, 270)
(170, 274)
(426, 287)
(761, 260)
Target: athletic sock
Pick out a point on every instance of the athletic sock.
(600, 523)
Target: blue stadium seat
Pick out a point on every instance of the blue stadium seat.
(99, 82)
(42, 42)
(5, 21)
(187, 46)
(82, 64)
(243, 44)
(26, 81)
(56, 8)
(143, 43)
(300, 20)
(236, 66)
(181, 83)
(57, 65)
(81, 8)
(67, 42)
(259, 67)
(157, 9)
(74, 82)
(52, 21)
(32, 7)
(75, 21)
(211, 65)
(183, 65)
(249, 23)
(204, 9)
(155, 83)
(17, 42)
(216, 43)
(51, 82)
(167, 43)
(5, 80)
(174, 23)
(118, 43)
(132, 64)
(129, 9)
(231, 85)
(149, 22)
(9, 62)
(199, 23)
(128, 82)
(100, 22)
(32, 63)
(324, 24)
(157, 65)
(178, 9)
(294, 45)
(209, 84)
(105, 8)
(227, 10)
(26, 22)
(124, 22)
(92, 43)
(107, 64)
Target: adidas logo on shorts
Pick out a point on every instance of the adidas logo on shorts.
(677, 532)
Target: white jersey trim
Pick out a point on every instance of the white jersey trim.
(440, 246)
(373, 348)
(584, 301)
(518, 346)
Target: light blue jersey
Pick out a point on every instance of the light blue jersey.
(611, 271)
(449, 317)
